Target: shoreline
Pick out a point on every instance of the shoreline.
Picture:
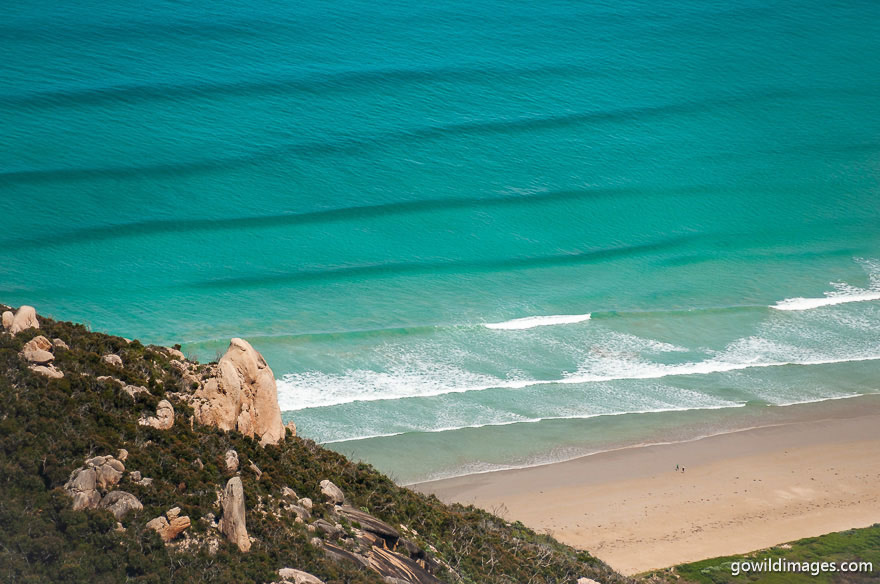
(813, 472)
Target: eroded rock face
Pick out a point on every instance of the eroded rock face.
(232, 524)
(120, 503)
(24, 318)
(164, 418)
(241, 395)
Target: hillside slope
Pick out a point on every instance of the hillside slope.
(175, 475)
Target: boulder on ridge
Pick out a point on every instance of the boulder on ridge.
(240, 394)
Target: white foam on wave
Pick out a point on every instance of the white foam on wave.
(843, 293)
(533, 321)
(830, 300)
(313, 389)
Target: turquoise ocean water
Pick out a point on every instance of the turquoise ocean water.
(465, 235)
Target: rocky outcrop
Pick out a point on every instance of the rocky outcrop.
(82, 487)
(371, 524)
(292, 576)
(38, 352)
(59, 344)
(333, 493)
(164, 418)
(170, 525)
(120, 503)
(292, 427)
(586, 581)
(392, 565)
(232, 524)
(108, 470)
(24, 318)
(240, 394)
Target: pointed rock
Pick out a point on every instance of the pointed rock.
(241, 395)
(232, 524)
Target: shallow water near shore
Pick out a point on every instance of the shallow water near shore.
(463, 236)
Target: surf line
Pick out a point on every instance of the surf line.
(533, 321)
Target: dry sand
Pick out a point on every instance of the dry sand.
(817, 473)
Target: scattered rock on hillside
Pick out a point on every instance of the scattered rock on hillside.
(120, 503)
(175, 354)
(112, 359)
(164, 418)
(170, 525)
(586, 581)
(38, 343)
(292, 427)
(38, 350)
(232, 524)
(231, 460)
(333, 493)
(133, 390)
(24, 318)
(48, 370)
(241, 395)
(292, 576)
(59, 344)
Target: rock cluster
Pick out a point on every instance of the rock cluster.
(170, 525)
(24, 318)
(38, 352)
(101, 473)
(239, 393)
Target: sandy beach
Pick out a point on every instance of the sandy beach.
(815, 473)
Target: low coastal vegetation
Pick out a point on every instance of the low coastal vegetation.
(854, 545)
(106, 475)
